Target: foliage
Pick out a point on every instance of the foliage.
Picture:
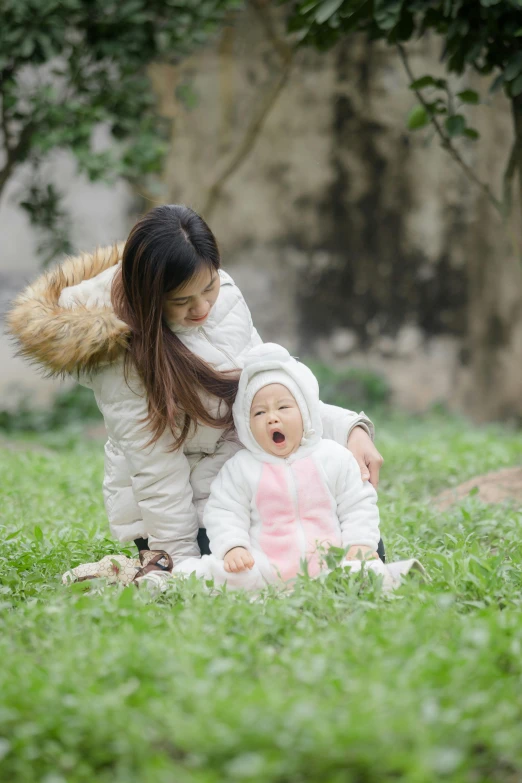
(485, 35)
(332, 683)
(43, 205)
(69, 67)
(69, 408)
(482, 35)
(363, 388)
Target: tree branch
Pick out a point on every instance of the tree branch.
(4, 77)
(257, 122)
(516, 105)
(446, 140)
(16, 154)
(5, 129)
(507, 180)
(284, 49)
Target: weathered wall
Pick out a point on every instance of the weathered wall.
(350, 236)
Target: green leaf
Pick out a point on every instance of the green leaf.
(82, 604)
(187, 94)
(441, 84)
(422, 82)
(516, 87)
(46, 45)
(404, 28)
(471, 133)
(497, 83)
(417, 118)
(455, 125)
(37, 532)
(27, 48)
(326, 10)
(304, 9)
(12, 535)
(127, 597)
(9, 102)
(387, 13)
(514, 67)
(469, 96)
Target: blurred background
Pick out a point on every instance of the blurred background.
(361, 169)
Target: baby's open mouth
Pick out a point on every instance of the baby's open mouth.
(278, 437)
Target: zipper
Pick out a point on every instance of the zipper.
(293, 490)
(221, 350)
(200, 458)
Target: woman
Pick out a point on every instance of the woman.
(158, 331)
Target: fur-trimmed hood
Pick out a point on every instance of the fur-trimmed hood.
(70, 334)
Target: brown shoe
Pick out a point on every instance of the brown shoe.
(154, 560)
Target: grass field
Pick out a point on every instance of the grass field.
(333, 683)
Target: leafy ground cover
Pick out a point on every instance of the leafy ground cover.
(333, 683)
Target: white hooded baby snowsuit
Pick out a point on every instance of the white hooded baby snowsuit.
(286, 512)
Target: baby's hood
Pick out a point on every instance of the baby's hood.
(273, 357)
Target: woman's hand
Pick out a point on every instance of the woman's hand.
(238, 559)
(369, 459)
(360, 552)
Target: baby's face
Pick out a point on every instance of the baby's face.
(276, 421)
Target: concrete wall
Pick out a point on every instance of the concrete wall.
(350, 236)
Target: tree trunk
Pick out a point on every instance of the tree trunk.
(495, 309)
(516, 105)
(5, 174)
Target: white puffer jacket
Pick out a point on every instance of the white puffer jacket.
(284, 510)
(65, 323)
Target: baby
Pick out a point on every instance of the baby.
(278, 505)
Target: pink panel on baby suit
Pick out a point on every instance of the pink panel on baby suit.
(279, 537)
(281, 534)
(316, 511)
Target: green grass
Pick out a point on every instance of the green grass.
(333, 683)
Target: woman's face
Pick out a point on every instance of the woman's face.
(190, 304)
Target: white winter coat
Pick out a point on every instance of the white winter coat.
(286, 511)
(65, 323)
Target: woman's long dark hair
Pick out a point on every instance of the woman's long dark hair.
(165, 249)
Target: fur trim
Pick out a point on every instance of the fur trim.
(62, 340)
